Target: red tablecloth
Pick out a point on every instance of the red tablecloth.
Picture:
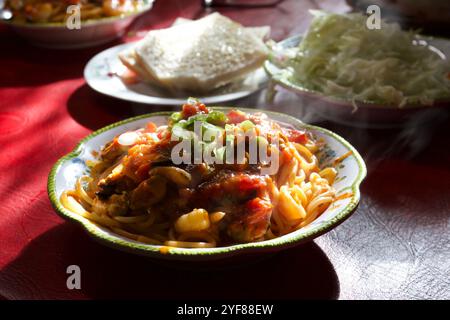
(395, 246)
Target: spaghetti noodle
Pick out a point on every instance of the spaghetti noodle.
(139, 191)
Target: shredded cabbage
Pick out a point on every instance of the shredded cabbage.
(340, 57)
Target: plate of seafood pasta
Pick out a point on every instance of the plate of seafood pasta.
(207, 183)
(169, 65)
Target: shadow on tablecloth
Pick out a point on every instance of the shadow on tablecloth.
(39, 272)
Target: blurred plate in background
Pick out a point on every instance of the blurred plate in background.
(92, 32)
(429, 16)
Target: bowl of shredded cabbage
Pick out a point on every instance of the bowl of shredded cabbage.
(350, 73)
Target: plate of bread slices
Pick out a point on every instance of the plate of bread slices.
(213, 58)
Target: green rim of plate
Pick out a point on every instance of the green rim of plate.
(89, 22)
(283, 81)
(154, 250)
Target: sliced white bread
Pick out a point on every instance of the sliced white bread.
(128, 58)
(198, 56)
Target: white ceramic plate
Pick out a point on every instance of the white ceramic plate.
(100, 76)
(351, 173)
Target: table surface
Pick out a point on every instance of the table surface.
(396, 245)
